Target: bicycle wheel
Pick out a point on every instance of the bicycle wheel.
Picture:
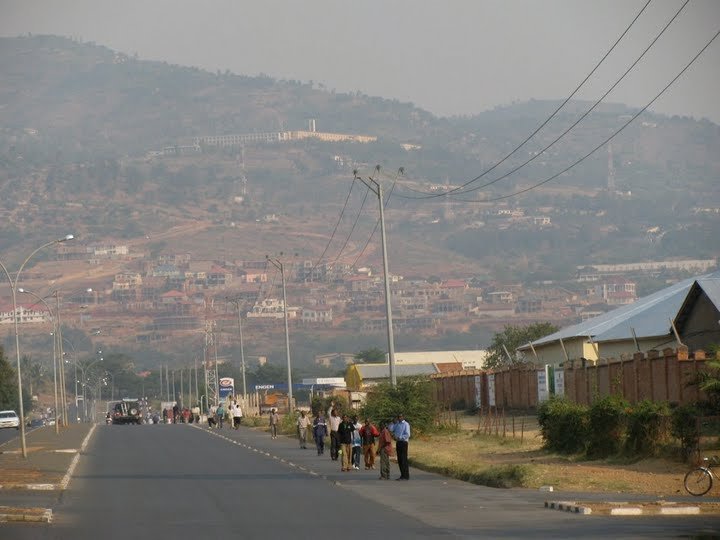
(698, 481)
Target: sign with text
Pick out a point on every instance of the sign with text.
(227, 387)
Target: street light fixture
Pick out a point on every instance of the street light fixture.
(13, 288)
(55, 339)
(83, 370)
(280, 266)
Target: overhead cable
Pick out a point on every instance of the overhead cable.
(542, 125)
(608, 139)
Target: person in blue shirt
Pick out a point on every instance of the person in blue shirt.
(401, 434)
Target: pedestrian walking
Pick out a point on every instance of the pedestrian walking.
(368, 434)
(212, 418)
(344, 434)
(319, 432)
(237, 415)
(401, 434)
(303, 422)
(334, 423)
(220, 413)
(385, 450)
(274, 421)
(356, 444)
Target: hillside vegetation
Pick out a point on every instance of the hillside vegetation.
(78, 121)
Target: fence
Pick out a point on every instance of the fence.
(667, 375)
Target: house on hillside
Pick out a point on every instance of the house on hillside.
(685, 313)
(26, 314)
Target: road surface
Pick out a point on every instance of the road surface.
(186, 482)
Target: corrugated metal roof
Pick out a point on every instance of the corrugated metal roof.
(378, 371)
(649, 316)
(711, 286)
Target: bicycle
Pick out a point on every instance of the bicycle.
(699, 480)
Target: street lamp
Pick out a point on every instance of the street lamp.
(280, 266)
(13, 288)
(55, 338)
(236, 301)
(374, 186)
(85, 380)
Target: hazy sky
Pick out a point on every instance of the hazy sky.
(449, 57)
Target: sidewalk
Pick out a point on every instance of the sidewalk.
(437, 500)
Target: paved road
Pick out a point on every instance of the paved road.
(7, 434)
(179, 481)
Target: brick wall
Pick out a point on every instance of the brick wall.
(665, 375)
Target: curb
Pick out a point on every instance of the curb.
(37, 515)
(623, 509)
(566, 506)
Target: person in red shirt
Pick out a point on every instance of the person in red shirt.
(368, 434)
(385, 450)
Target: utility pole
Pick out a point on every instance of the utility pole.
(280, 266)
(236, 302)
(374, 186)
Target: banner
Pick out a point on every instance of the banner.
(559, 382)
(491, 389)
(542, 385)
(478, 391)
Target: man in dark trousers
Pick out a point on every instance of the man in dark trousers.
(333, 424)
(345, 434)
(401, 434)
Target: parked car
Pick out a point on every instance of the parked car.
(9, 419)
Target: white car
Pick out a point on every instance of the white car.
(9, 419)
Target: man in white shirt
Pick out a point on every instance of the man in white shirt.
(236, 414)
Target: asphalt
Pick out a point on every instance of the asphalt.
(438, 502)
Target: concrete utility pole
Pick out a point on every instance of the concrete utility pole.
(237, 303)
(374, 186)
(280, 266)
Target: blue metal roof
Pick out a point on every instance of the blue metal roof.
(649, 316)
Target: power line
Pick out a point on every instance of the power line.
(400, 171)
(584, 115)
(554, 113)
(342, 213)
(357, 218)
(607, 140)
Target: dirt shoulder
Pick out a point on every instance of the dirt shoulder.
(476, 456)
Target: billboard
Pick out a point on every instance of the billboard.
(227, 387)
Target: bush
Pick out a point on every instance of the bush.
(563, 425)
(684, 427)
(412, 396)
(607, 417)
(647, 428)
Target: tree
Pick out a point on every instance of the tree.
(33, 373)
(710, 380)
(8, 384)
(511, 338)
(371, 356)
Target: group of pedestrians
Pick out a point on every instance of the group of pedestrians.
(350, 440)
(218, 415)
